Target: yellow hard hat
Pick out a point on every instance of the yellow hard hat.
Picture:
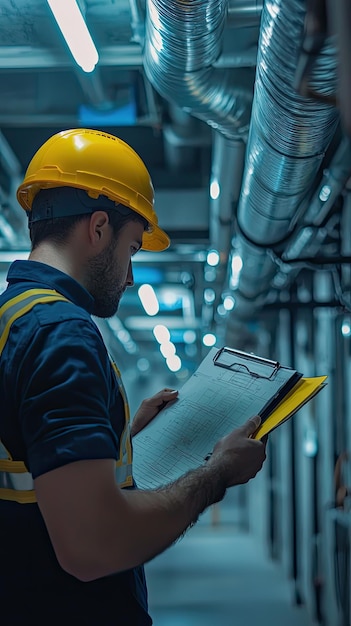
(101, 164)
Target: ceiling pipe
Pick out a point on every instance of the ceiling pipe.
(182, 43)
(316, 224)
(225, 184)
(288, 138)
(289, 134)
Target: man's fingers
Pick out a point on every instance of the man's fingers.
(252, 425)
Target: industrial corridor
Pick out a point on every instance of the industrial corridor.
(220, 575)
(175, 261)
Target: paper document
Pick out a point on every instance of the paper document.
(228, 388)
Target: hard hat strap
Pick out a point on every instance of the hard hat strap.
(57, 202)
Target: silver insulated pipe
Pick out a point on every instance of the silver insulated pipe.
(289, 135)
(182, 42)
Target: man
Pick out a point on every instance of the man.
(74, 530)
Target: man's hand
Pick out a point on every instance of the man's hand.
(105, 529)
(150, 407)
(237, 456)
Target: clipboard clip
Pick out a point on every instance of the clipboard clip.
(237, 361)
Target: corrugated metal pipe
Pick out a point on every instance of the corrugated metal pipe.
(182, 42)
(288, 138)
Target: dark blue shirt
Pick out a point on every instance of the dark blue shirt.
(60, 403)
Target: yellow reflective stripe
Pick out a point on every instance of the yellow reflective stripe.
(127, 483)
(123, 465)
(44, 295)
(24, 295)
(15, 467)
(8, 466)
(124, 472)
(18, 495)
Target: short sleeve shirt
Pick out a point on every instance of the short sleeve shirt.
(60, 403)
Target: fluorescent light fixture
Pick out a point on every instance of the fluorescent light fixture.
(324, 193)
(174, 363)
(215, 189)
(236, 267)
(161, 333)
(346, 328)
(209, 295)
(209, 339)
(148, 299)
(167, 349)
(75, 31)
(213, 258)
(229, 303)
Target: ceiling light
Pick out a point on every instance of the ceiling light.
(236, 267)
(174, 363)
(215, 190)
(209, 339)
(75, 31)
(213, 258)
(148, 299)
(229, 303)
(167, 349)
(161, 333)
(346, 328)
(324, 193)
(209, 295)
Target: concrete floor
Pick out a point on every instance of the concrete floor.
(219, 576)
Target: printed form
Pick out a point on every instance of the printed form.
(210, 404)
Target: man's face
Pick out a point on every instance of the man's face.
(110, 272)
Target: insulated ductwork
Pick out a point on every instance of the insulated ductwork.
(182, 42)
(288, 138)
(288, 134)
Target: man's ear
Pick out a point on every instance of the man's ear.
(98, 227)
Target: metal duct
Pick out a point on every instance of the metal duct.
(288, 137)
(317, 223)
(182, 42)
(226, 176)
(289, 134)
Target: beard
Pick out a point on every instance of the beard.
(105, 282)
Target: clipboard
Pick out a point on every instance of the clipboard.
(282, 378)
(228, 387)
(254, 365)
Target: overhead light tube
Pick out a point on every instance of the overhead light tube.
(75, 31)
(148, 299)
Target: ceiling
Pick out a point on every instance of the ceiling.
(208, 91)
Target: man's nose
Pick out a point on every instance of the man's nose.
(130, 277)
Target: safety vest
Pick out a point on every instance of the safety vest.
(16, 482)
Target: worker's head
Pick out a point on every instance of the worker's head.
(89, 191)
(107, 169)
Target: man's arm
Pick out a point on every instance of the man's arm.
(97, 529)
